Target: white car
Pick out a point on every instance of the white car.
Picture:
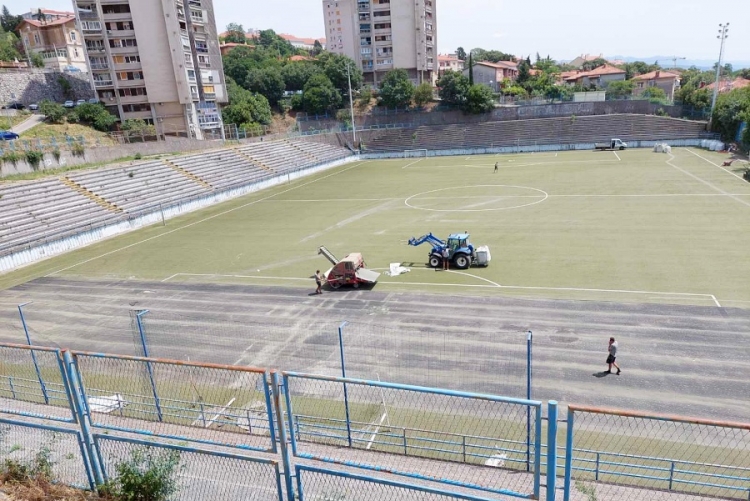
(69, 104)
(34, 107)
(80, 102)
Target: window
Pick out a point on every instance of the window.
(383, 26)
(37, 41)
(132, 108)
(382, 13)
(135, 91)
(72, 36)
(116, 9)
(191, 75)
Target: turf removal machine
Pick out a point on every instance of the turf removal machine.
(461, 253)
(349, 271)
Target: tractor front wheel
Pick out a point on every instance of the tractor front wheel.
(355, 285)
(462, 261)
(335, 284)
(435, 262)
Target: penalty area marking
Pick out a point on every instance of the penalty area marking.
(715, 164)
(618, 156)
(412, 163)
(542, 194)
(491, 285)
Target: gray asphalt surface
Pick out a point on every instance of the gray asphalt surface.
(27, 124)
(683, 360)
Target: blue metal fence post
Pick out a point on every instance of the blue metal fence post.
(150, 370)
(343, 375)
(81, 409)
(551, 449)
(528, 397)
(569, 456)
(286, 461)
(33, 355)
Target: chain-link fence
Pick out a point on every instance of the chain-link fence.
(461, 438)
(316, 484)
(199, 403)
(195, 475)
(613, 453)
(32, 383)
(52, 453)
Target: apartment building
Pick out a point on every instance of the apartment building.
(54, 36)
(382, 35)
(157, 61)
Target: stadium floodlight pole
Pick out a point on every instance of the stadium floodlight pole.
(723, 35)
(351, 106)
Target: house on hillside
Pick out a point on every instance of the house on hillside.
(226, 48)
(302, 43)
(55, 37)
(584, 58)
(728, 85)
(449, 62)
(667, 81)
(493, 74)
(599, 77)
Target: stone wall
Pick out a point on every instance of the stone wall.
(33, 86)
(438, 117)
(110, 154)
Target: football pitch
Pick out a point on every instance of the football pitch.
(626, 226)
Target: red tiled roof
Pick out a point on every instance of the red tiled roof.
(724, 86)
(308, 41)
(39, 24)
(656, 74)
(604, 69)
(503, 65)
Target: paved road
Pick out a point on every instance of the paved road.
(675, 359)
(27, 124)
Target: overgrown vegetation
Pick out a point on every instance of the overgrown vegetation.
(148, 475)
(34, 158)
(78, 150)
(733, 108)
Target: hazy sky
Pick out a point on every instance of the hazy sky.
(562, 29)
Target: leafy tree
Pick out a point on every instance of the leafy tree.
(238, 62)
(732, 108)
(297, 73)
(744, 73)
(423, 94)
(235, 34)
(524, 72)
(37, 61)
(335, 68)
(620, 89)
(317, 48)
(245, 109)
(268, 39)
(479, 54)
(590, 65)
(54, 112)
(480, 99)
(268, 82)
(461, 54)
(9, 22)
(515, 90)
(471, 71)
(638, 68)
(396, 90)
(453, 88)
(9, 47)
(320, 95)
(495, 56)
(654, 93)
(95, 115)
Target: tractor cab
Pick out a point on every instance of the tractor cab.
(458, 241)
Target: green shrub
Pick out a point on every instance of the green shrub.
(39, 468)
(12, 157)
(138, 156)
(54, 112)
(56, 153)
(149, 475)
(78, 150)
(34, 158)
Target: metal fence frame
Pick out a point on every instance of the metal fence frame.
(619, 458)
(293, 427)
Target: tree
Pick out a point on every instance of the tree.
(461, 54)
(480, 99)
(453, 88)
(335, 67)
(471, 71)
(238, 62)
(320, 95)
(655, 93)
(396, 90)
(731, 109)
(638, 68)
(590, 65)
(95, 115)
(620, 89)
(9, 47)
(317, 48)
(267, 82)
(245, 109)
(235, 34)
(297, 73)
(479, 54)
(53, 112)
(268, 39)
(524, 72)
(9, 22)
(423, 94)
(37, 61)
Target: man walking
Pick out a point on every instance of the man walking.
(495, 167)
(612, 356)
(446, 255)
(318, 282)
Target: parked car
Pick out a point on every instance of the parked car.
(33, 107)
(69, 104)
(93, 100)
(80, 102)
(6, 135)
(14, 106)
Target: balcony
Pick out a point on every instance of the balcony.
(121, 33)
(209, 96)
(136, 114)
(103, 83)
(100, 66)
(88, 15)
(127, 66)
(123, 50)
(131, 83)
(91, 26)
(133, 99)
(95, 48)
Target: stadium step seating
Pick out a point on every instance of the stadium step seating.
(192, 176)
(222, 169)
(90, 195)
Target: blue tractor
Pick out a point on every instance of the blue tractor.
(461, 253)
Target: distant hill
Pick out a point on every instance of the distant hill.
(666, 62)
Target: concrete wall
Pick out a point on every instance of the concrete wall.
(640, 107)
(112, 153)
(33, 86)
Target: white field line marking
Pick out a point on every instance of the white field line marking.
(349, 220)
(717, 165)
(377, 429)
(170, 277)
(595, 196)
(412, 163)
(618, 156)
(733, 197)
(493, 285)
(218, 414)
(337, 200)
(203, 220)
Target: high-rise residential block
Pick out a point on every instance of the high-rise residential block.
(157, 60)
(381, 35)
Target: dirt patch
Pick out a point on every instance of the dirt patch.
(40, 490)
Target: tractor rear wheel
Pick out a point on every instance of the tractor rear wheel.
(461, 261)
(335, 284)
(355, 285)
(435, 262)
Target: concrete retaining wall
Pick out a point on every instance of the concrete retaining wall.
(33, 86)
(54, 246)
